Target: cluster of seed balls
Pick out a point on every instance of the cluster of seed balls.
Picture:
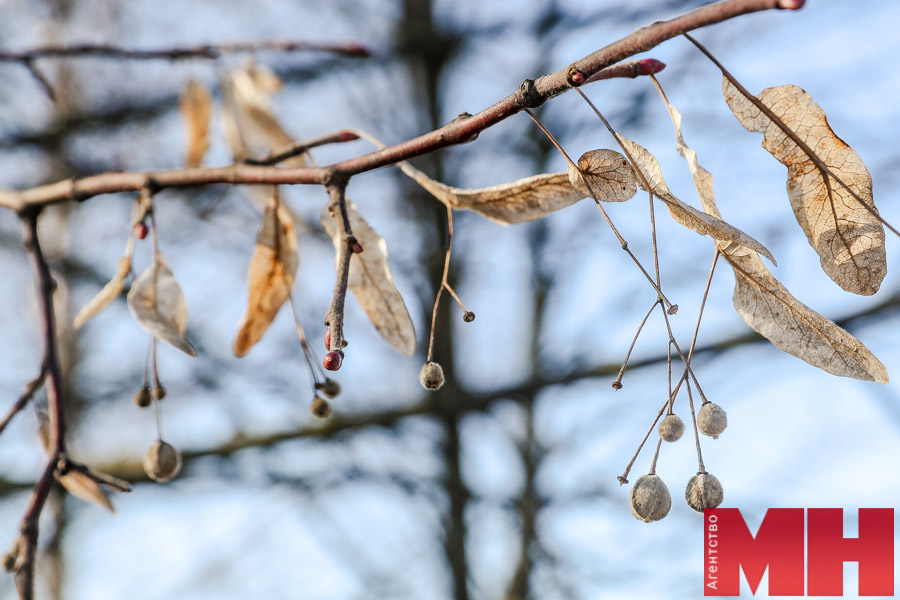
(650, 499)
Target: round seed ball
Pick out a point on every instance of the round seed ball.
(703, 491)
(671, 428)
(431, 376)
(650, 499)
(162, 461)
(320, 408)
(712, 419)
(142, 397)
(329, 387)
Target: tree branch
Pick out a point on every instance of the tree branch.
(204, 51)
(465, 128)
(26, 545)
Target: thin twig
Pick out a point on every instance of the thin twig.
(298, 148)
(204, 51)
(31, 389)
(622, 242)
(617, 384)
(623, 478)
(334, 319)
(701, 467)
(27, 544)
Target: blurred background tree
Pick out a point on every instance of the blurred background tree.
(503, 483)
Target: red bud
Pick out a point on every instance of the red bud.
(650, 66)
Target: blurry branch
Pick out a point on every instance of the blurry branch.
(204, 51)
(21, 558)
(463, 403)
(30, 389)
(531, 94)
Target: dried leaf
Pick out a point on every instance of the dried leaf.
(156, 302)
(270, 276)
(521, 200)
(770, 309)
(606, 173)
(78, 482)
(686, 214)
(371, 282)
(196, 108)
(107, 294)
(250, 124)
(847, 237)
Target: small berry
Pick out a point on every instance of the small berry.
(332, 360)
(671, 428)
(162, 461)
(431, 376)
(329, 387)
(140, 230)
(469, 316)
(158, 393)
(712, 420)
(142, 397)
(650, 499)
(703, 491)
(320, 408)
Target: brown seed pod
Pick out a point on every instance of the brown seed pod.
(142, 397)
(671, 428)
(158, 393)
(329, 387)
(431, 376)
(320, 408)
(162, 461)
(712, 420)
(703, 491)
(650, 499)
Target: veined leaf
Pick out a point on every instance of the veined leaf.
(604, 174)
(270, 276)
(515, 202)
(848, 238)
(370, 281)
(770, 309)
(156, 302)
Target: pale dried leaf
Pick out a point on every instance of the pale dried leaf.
(107, 294)
(196, 108)
(515, 202)
(770, 309)
(604, 175)
(371, 282)
(847, 237)
(270, 276)
(685, 214)
(156, 302)
(250, 123)
(77, 483)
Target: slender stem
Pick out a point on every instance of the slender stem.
(623, 478)
(700, 464)
(655, 457)
(308, 356)
(617, 384)
(609, 222)
(444, 285)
